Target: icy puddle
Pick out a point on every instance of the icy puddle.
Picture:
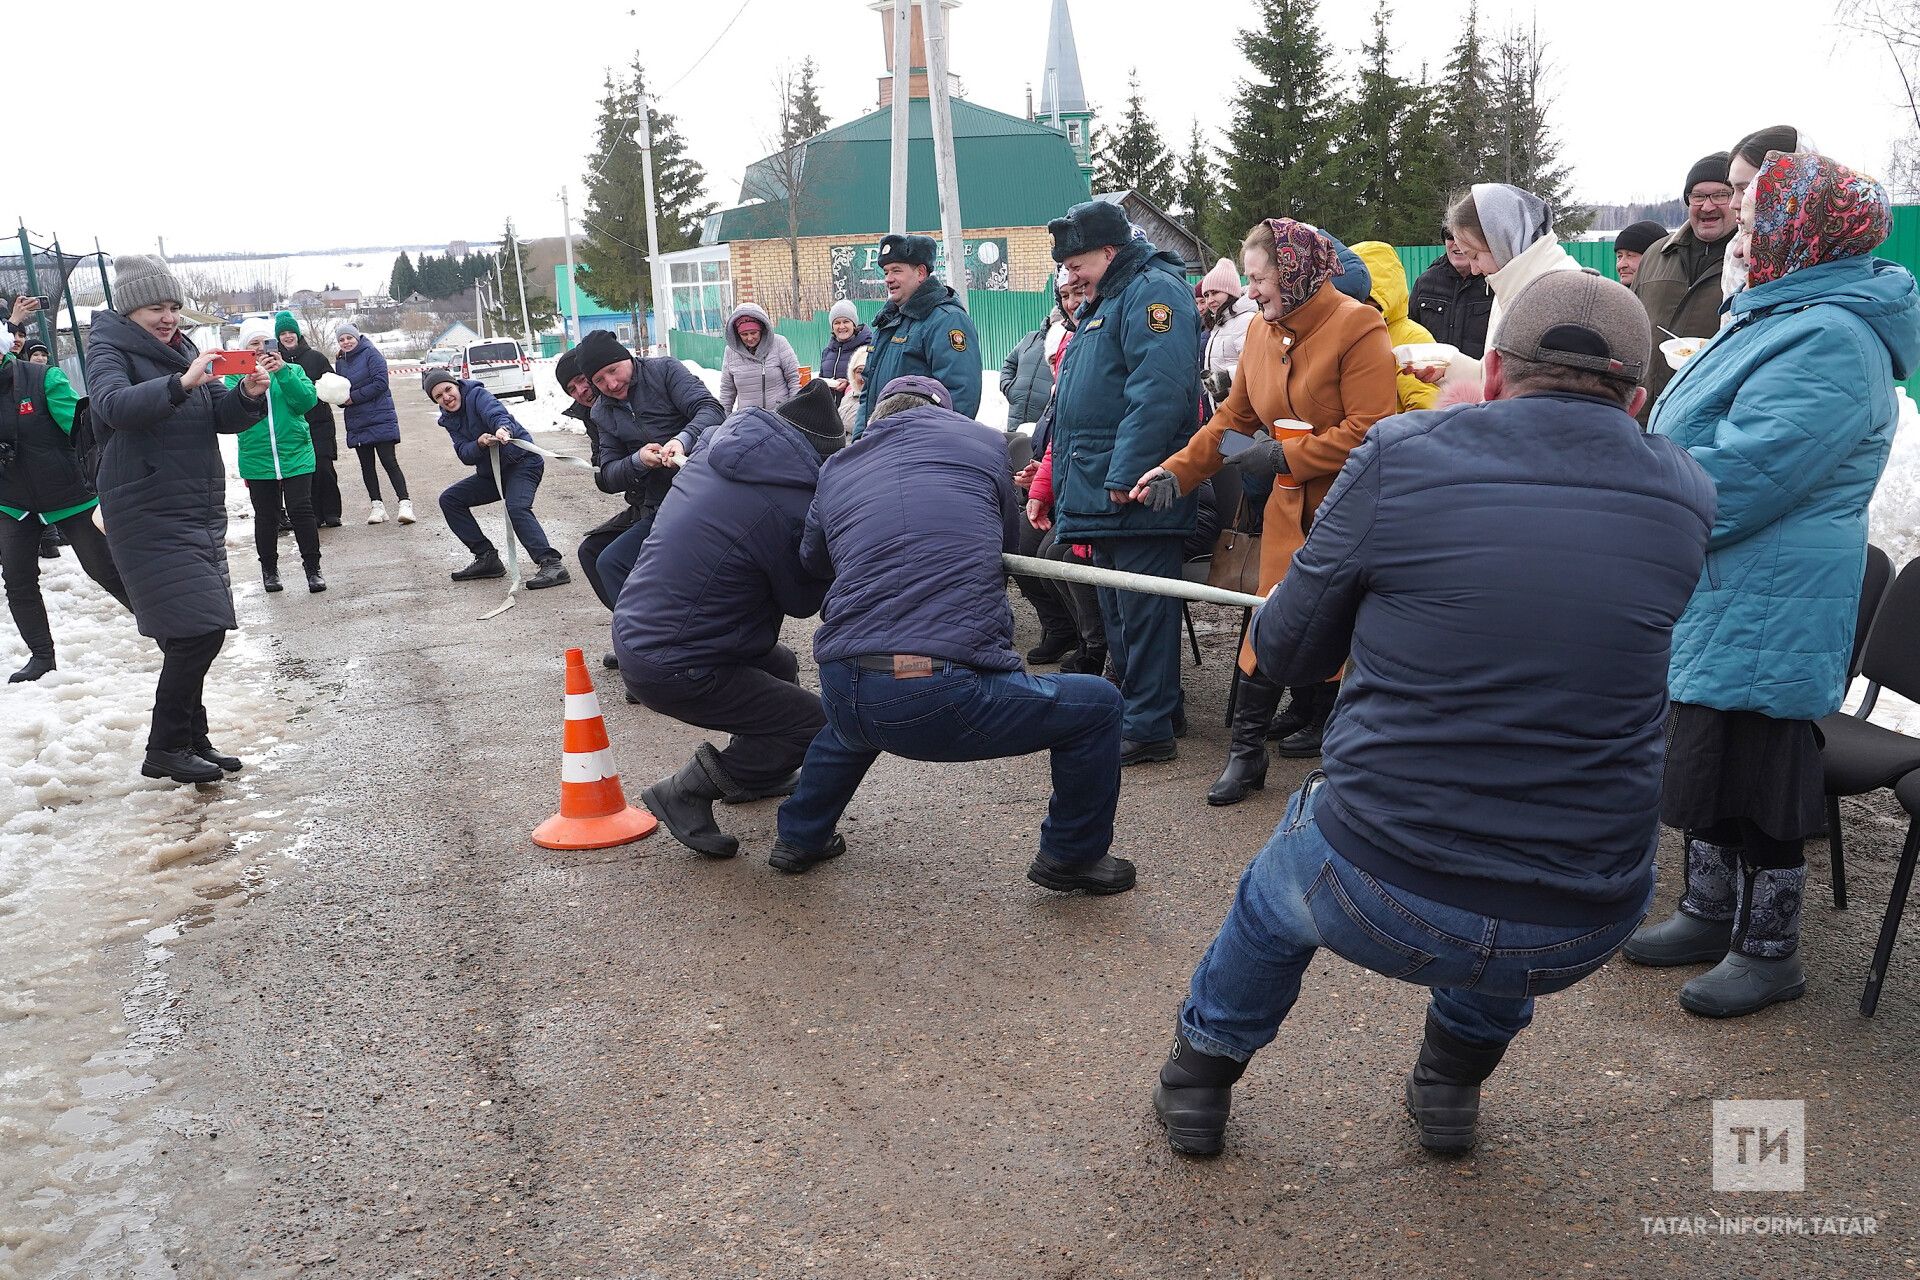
(102, 872)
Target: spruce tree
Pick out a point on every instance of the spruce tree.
(1523, 150)
(1368, 168)
(1283, 121)
(613, 253)
(403, 281)
(1133, 156)
(1466, 108)
(1419, 203)
(1193, 198)
(803, 116)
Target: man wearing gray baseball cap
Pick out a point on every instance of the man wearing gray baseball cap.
(1505, 577)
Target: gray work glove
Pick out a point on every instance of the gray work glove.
(1162, 492)
(1262, 460)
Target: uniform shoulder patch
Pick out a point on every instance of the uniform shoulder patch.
(957, 339)
(1159, 317)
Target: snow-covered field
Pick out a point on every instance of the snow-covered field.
(100, 869)
(369, 272)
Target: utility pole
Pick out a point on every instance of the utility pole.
(902, 93)
(479, 307)
(656, 329)
(573, 289)
(519, 274)
(941, 105)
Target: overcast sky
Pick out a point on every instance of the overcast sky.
(279, 127)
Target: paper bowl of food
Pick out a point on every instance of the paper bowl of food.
(1680, 350)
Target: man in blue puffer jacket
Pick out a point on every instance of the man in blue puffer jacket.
(915, 643)
(1129, 385)
(697, 626)
(1506, 577)
(478, 425)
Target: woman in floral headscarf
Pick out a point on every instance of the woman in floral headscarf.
(1791, 410)
(1317, 372)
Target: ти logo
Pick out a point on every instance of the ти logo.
(26, 408)
(1759, 1145)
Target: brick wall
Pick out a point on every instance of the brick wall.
(762, 274)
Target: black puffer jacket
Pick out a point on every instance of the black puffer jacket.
(163, 486)
(665, 401)
(39, 468)
(326, 441)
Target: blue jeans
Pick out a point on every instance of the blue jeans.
(522, 480)
(616, 560)
(1300, 895)
(958, 713)
(1143, 634)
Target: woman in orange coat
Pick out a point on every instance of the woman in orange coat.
(1317, 371)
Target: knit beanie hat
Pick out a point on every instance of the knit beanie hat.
(843, 310)
(283, 322)
(566, 368)
(1639, 237)
(1711, 168)
(433, 378)
(346, 331)
(257, 327)
(1223, 278)
(599, 349)
(814, 412)
(141, 280)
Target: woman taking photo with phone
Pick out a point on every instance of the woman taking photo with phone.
(163, 496)
(277, 462)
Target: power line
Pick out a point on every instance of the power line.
(600, 167)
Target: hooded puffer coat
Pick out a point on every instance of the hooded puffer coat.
(1390, 296)
(762, 377)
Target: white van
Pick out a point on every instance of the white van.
(501, 367)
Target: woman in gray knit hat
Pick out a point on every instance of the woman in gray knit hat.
(163, 496)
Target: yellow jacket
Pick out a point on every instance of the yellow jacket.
(1390, 295)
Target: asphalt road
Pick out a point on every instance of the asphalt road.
(433, 1049)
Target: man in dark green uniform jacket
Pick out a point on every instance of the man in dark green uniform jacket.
(923, 329)
(1129, 385)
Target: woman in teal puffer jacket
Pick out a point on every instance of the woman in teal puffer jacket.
(1791, 410)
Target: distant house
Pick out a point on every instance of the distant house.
(595, 314)
(1163, 229)
(416, 298)
(456, 334)
(304, 298)
(340, 299)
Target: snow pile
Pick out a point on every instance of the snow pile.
(99, 867)
(1895, 513)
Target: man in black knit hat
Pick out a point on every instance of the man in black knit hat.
(1678, 280)
(697, 625)
(1631, 245)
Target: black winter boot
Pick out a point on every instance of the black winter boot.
(1106, 875)
(270, 577)
(204, 748)
(1090, 660)
(1762, 967)
(1052, 648)
(1246, 770)
(50, 542)
(773, 790)
(36, 667)
(1194, 1097)
(1701, 930)
(1443, 1091)
(684, 805)
(792, 860)
(610, 662)
(1294, 718)
(486, 564)
(181, 766)
(315, 583)
(553, 573)
(1304, 743)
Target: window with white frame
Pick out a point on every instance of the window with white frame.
(702, 295)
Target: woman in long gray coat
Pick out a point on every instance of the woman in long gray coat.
(759, 370)
(163, 497)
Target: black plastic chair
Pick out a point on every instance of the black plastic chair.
(1908, 793)
(1873, 591)
(1859, 756)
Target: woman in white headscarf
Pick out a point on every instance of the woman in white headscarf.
(1507, 234)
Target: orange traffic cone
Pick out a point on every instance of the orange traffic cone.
(594, 813)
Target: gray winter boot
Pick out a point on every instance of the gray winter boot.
(684, 804)
(1763, 966)
(1701, 930)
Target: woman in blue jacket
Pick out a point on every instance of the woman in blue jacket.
(373, 424)
(1791, 410)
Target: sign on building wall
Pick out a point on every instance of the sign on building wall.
(856, 267)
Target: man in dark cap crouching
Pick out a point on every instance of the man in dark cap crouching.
(697, 625)
(915, 644)
(1486, 820)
